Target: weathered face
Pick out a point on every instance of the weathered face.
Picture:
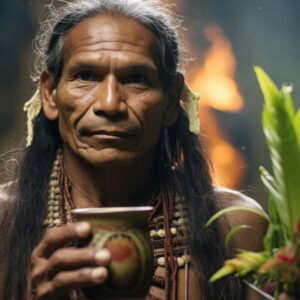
(109, 100)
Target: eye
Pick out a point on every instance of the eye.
(86, 76)
(137, 78)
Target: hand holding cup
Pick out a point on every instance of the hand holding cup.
(57, 270)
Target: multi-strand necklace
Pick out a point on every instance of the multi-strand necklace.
(167, 224)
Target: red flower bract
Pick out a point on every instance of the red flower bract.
(287, 255)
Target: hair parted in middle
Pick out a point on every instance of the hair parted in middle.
(157, 17)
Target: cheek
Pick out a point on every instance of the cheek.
(72, 104)
(149, 109)
(72, 99)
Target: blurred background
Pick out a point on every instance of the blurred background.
(224, 40)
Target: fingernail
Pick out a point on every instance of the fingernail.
(99, 273)
(83, 228)
(102, 256)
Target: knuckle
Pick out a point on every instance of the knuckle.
(48, 234)
(49, 237)
(57, 258)
(52, 234)
(38, 285)
(33, 258)
(38, 274)
(85, 274)
(91, 253)
(58, 282)
(70, 229)
(44, 292)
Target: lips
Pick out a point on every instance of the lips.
(108, 133)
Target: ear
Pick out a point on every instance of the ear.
(48, 95)
(173, 101)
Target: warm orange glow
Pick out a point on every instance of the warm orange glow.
(215, 82)
(223, 155)
(228, 162)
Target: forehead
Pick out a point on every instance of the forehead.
(114, 34)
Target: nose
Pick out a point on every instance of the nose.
(108, 98)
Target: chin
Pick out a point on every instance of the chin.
(109, 159)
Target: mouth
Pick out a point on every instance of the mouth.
(106, 133)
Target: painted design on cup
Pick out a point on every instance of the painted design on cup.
(126, 261)
(131, 267)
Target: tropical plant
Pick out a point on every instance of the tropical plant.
(278, 266)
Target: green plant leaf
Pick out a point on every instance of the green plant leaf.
(285, 157)
(268, 87)
(224, 271)
(269, 182)
(232, 232)
(282, 139)
(236, 208)
(286, 91)
(297, 125)
(276, 236)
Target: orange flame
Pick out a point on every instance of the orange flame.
(216, 78)
(215, 82)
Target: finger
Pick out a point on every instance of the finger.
(60, 236)
(73, 258)
(39, 273)
(69, 259)
(65, 281)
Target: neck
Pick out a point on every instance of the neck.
(125, 186)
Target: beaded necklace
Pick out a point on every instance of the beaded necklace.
(60, 202)
(168, 226)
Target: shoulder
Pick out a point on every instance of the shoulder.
(247, 239)
(228, 197)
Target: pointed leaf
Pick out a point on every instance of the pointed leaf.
(288, 100)
(269, 182)
(226, 270)
(236, 208)
(297, 125)
(233, 231)
(267, 86)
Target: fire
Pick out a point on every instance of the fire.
(215, 79)
(215, 82)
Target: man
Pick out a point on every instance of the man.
(112, 132)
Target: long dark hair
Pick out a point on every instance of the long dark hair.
(179, 146)
(206, 244)
(30, 206)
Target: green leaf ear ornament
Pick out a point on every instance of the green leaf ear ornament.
(190, 101)
(32, 107)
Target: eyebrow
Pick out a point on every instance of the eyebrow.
(141, 68)
(135, 67)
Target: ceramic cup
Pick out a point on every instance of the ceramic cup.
(124, 232)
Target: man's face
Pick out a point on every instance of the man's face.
(109, 100)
